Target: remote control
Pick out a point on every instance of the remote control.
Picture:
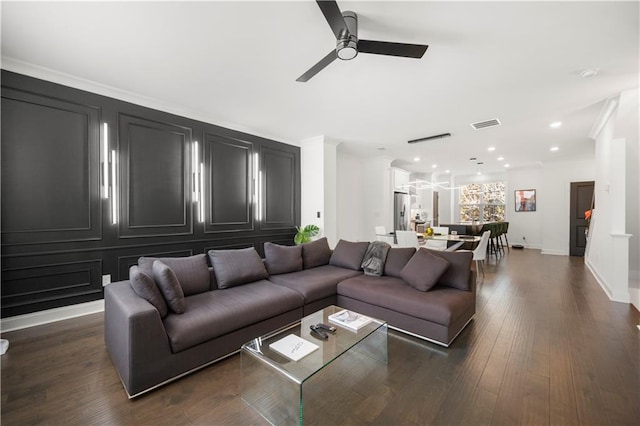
(318, 333)
(327, 327)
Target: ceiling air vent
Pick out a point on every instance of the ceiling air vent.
(484, 124)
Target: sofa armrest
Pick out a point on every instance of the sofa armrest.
(134, 335)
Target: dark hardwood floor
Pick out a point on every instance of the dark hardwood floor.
(546, 347)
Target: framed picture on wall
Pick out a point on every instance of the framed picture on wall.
(525, 200)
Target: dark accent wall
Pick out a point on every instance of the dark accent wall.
(57, 235)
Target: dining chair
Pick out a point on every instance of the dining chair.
(407, 239)
(480, 252)
(381, 235)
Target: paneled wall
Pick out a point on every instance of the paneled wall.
(62, 226)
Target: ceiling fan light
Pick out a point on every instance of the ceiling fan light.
(347, 49)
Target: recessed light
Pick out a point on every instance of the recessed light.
(491, 148)
(554, 148)
(433, 166)
(447, 171)
(416, 159)
(479, 173)
(590, 72)
(480, 163)
(382, 148)
(472, 159)
(500, 158)
(507, 165)
(555, 124)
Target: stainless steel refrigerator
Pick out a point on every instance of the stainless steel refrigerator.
(401, 211)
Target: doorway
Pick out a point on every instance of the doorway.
(581, 201)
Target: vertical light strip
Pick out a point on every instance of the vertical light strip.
(201, 206)
(195, 169)
(105, 161)
(257, 179)
(114, 189)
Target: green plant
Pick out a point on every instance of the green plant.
(305, 234)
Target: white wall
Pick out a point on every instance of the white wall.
(627, 127)
(350, 209)
(319, 186)
(612, 253)
(525, 228)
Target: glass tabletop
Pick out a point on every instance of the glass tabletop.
(337, 344)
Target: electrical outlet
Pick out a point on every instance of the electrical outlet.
(106, 279)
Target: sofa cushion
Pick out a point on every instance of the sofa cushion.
(282, 259)
(459, 272)
(169, 286)
(314, 284)
(316, 253)
(218, 312)
(442, 305)
(423, 270)
(192, 271)
(145, 286)
(397, 258)
(348, 254)
(237, 267)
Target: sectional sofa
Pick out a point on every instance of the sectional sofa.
(176, 315)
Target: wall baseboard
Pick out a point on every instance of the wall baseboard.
(555, 252)
(598, 278)
(50, 315)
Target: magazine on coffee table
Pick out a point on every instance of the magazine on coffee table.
(349, 320)
(293, 347)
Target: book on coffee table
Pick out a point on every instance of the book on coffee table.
(350, 320)
(293, 347)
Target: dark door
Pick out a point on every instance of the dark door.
(436, 209)
(581, 201)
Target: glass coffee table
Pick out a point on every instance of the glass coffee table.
(280, 389)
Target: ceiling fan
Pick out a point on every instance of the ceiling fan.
(345, 27)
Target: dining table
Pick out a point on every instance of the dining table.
(454, 241)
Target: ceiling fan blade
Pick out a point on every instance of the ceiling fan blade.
(318, 67)
(332, 14)
(392, 49)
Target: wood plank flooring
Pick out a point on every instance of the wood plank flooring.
(546, 347)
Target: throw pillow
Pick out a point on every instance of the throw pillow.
(397, 258)
(169, 287)
(282, 259)
(423, 270)
(237, 267)
(145, 287)
(316, 253)
(348, 254)
(192, 271)
(459, 274)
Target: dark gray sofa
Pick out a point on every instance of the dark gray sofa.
(165, 323)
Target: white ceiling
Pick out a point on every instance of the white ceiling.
(235, 64)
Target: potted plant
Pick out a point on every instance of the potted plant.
(305, 234)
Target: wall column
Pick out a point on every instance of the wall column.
(318, 158)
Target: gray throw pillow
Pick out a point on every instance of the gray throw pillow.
(237, 267)
(423, 270)
(349, 255)
(397, 258)
(282, 259)
(169, 287)
(191, 271)
(459, 274)
(145, 287)
(316, 253)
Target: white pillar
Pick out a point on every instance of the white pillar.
(319, 186)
